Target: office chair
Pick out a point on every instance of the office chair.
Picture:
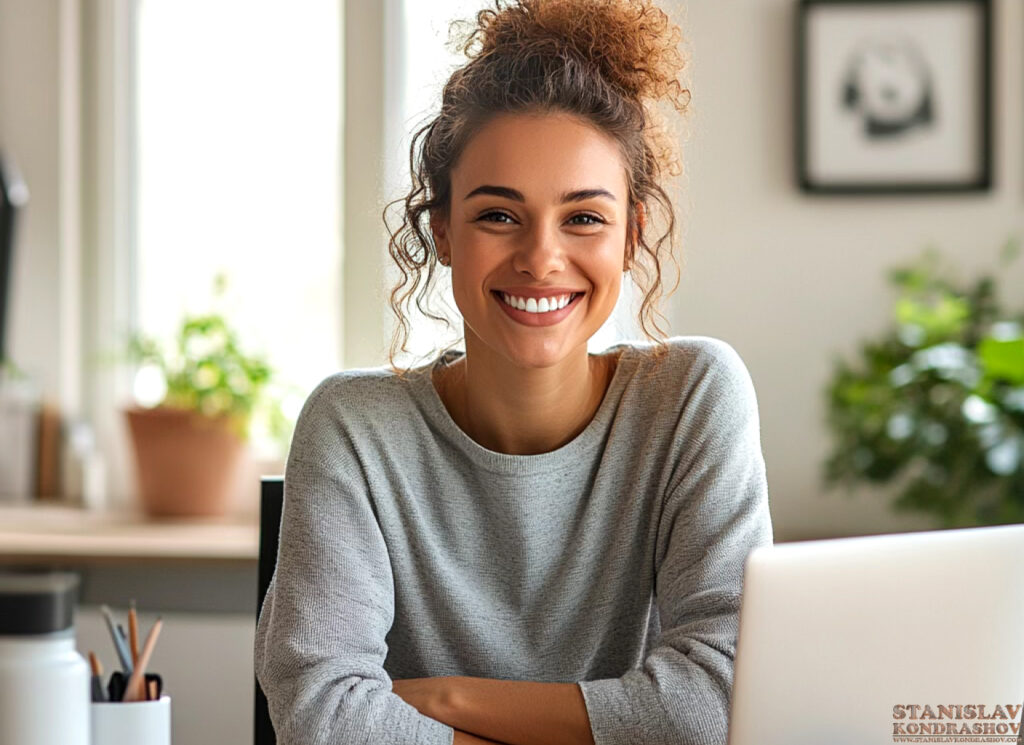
(271, 502)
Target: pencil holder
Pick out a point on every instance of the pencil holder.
(135, 722)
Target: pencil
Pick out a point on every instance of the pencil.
(119, 644)
(96, 682)
(94, 663)
(151, 693)
(135, 689)
(133, 634)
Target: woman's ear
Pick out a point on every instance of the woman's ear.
(439, 229)
(641, 222)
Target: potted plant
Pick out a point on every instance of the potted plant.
(936, 404)
(189, 446)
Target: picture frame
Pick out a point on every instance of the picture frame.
(894, 96)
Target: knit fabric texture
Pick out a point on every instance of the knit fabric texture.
(408, 550)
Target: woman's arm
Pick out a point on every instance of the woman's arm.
(464, 738)
(516, 712)
(715, 511)
(521, 712)
(320, 638)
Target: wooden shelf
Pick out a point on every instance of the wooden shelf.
(47, 533)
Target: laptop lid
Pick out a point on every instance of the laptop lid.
(912, 637)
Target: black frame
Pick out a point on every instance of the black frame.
(13, 196)
(271, 506)
(984, 155)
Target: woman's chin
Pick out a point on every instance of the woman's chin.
(539, 354)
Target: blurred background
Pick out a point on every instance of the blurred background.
(194, 196)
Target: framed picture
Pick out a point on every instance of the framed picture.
(894, 96)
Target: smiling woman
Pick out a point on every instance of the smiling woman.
(541, 243)
(522, 541)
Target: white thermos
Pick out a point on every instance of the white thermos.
(44, 682)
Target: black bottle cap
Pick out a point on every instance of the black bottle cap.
(37, 603)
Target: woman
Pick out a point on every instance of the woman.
(525, 542)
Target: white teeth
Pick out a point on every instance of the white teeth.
(532, 305)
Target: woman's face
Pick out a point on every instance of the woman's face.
(538, 210)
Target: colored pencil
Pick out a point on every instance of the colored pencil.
(133, 634)
(97, 678)
(119, 642)
(135, 689)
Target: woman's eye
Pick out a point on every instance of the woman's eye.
(594, 219)
(487, 215)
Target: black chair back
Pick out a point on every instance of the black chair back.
(271, 502)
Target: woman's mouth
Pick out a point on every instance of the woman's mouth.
(532, 305)
(533, 312)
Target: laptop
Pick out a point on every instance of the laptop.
(910, 637)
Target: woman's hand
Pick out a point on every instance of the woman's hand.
(432, 697)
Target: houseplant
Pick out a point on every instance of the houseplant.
(935, 406)
(188, 446)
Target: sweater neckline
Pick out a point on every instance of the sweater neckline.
(508, 463)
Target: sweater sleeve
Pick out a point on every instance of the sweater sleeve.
(715, 512)
(320, 638)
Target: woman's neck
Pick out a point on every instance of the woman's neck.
(523, 411)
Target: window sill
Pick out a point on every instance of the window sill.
(42, 533)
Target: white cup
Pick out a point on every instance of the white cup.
(135, 722)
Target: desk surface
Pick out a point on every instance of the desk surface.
(39, 532)
(48, 533)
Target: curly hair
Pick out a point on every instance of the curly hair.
(608, 62)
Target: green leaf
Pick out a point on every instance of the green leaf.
(942, 318)
(1002, 359)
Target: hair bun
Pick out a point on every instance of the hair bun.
(632, 42)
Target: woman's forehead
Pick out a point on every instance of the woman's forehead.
(539, 156)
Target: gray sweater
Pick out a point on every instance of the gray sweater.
(408, 550)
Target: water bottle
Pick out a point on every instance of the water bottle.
(44, 681)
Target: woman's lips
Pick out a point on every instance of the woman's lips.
(537, 319)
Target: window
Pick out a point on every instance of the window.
(237, 131)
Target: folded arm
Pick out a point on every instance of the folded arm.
(320, 646)
(715, 512)
(516, 712)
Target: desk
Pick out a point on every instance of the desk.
(198, 565)
(199, 574)
(41, 533)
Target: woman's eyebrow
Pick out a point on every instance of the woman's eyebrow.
(570, 196)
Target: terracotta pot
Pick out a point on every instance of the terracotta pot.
(186, 463)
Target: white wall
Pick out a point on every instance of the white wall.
(791, 280)
(29, 102)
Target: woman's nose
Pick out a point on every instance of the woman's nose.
(540, 253)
